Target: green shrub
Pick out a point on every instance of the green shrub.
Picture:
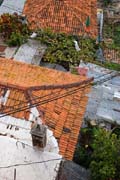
(61, 47)
(83, 156)
(99, 150)
(16, 39)
(12, 29)
(106, 150)
(106, 2)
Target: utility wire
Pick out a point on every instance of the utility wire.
(107, 78)
(36, 98)
(29, 163)
(18, 110)
(33, 105)
(45, 101)
(40, 97)
(103, 75)
(98, 80)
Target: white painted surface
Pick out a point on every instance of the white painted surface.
(52, 144)
(20, 130)
(100, 21)
(16, 148)
(30, 52)
(34, 35)
(34, 115)
(117, 95)
(76, 45)
(11, 6)
(27, 161)
(10, 52)
(3, 99)
(27, 51)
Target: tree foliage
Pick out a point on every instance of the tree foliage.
(105, 157)
(12, 29)
(107, 2)
(100, 151)
(61, 47)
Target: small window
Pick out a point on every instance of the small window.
(1, 1)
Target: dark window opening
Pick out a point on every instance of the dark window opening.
(1, 1)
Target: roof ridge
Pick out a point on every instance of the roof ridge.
(46, 87)
(58, 86)
(62, 110)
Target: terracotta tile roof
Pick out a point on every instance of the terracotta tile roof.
(64, 115)
(67, 16)
(31, 75)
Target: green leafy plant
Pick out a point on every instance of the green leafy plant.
(99, 150)
(117, 34)
(61, 48)
(16, 39)
(84, 150)
(112, 31)
(106, 150)
(106, 2)
(12, 29)
(83, 156)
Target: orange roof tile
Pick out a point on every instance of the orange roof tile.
(63, 115)
(67, 16)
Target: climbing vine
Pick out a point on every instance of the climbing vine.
(61, 48)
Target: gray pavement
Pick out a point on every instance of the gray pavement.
(11, 6)
(104, 99)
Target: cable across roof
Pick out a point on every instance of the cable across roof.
(59, 97)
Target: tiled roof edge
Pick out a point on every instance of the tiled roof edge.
(46, 87)
(12, 86)
(70, 85)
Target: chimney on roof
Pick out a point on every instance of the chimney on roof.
(39, 135)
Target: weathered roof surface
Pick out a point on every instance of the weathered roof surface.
(27, 75)
(60, 96)
(67, 16)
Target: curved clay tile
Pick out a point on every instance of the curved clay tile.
(61, 15)
(61, 99)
